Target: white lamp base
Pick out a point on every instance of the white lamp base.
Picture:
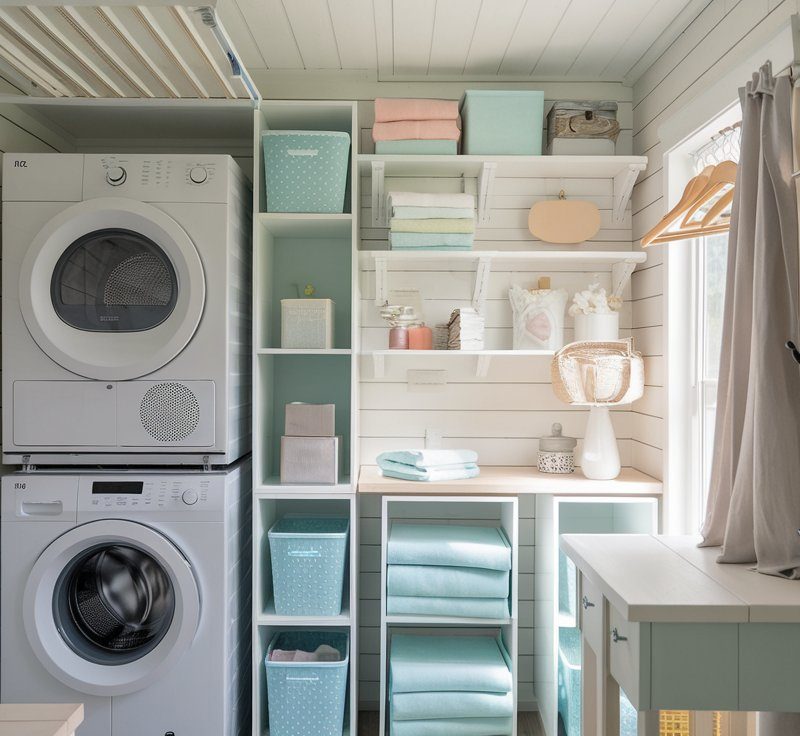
(600, 456)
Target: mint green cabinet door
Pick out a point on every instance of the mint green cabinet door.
(769, 667)
(695, 666)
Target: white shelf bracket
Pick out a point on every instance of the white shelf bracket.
(482, 366)
(485, 183)
(482, 274)
(381, 281)
(379, 213)
(620, 274)
(623, 188)
(378, 365)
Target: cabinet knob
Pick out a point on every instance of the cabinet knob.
(615, 635)
(586, 603)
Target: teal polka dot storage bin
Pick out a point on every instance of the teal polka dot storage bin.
(308, 565)
(307, 698)
(306, 171)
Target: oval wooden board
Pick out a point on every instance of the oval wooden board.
(564, 221)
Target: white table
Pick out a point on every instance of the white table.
(53, 719)
(661, 619)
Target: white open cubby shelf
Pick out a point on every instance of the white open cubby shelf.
(468, 510)
(290, 250)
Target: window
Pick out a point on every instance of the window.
(712, 254)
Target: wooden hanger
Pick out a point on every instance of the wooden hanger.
(690, 193)
(712, 188)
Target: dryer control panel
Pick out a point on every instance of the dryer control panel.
(154, 178)
(158, 493)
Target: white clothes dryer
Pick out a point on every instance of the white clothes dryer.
(129, 593)
(126, 300)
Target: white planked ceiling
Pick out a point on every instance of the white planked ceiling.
(452, 39)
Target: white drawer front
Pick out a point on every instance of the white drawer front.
(629, 664)
(591, 614)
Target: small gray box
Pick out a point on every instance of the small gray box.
(310, 459)
(310, 420)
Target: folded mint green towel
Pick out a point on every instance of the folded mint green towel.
(451, 607)
(453, 727)
(417, 147)
(448, 545)
(430, 458)
(443, 472)
(421, 664)
(431, 247)
(433, 225)
(424, 706)
(449, 582)
(432, 213)
(427, 240)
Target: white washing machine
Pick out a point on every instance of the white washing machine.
(130, 593)
(126, 302)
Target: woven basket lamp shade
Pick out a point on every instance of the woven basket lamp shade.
(598, 375)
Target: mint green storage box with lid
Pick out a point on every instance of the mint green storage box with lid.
(502, 122)
(306, 170)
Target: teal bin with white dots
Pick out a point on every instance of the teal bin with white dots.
(306, 170)
(307, 698)
(308, 564)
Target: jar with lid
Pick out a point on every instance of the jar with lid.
(557, 452)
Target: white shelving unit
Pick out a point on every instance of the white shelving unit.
(623, 170)
(470, 510)
(290, 250)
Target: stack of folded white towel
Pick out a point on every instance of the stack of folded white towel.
(448, 570)
(429, 465)
(450, 686)
(431, 221)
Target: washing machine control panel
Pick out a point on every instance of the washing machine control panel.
(157, 493)
(182, 178)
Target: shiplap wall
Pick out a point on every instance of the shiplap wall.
(725, 33)
(501, 415)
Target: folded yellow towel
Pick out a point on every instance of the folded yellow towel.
(435, 225)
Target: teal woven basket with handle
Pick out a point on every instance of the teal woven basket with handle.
(306, 171)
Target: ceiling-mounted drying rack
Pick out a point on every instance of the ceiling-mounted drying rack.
(622, 170)
(162, 50)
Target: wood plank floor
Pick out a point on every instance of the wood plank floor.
(528, 724)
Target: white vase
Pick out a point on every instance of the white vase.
(597, 327)
(600, 455)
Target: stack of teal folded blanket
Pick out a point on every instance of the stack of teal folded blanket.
(429, 465)
(431, 221)
(450, 686)
(447, 570)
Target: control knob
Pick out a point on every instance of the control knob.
(189, 497)
(198, 174)
(116, 175)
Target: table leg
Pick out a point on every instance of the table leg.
(610, 706)
(590, 690)
(647, 723)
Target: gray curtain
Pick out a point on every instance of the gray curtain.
(753, 509)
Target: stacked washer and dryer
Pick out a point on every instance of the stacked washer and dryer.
(126, 347)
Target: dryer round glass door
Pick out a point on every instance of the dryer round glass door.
(109, 606)
(112, 289)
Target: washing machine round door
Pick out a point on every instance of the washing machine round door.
(110, 606)
(112, 289)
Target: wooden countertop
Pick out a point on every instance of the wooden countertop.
(33, 719)
(512, 481)
(669, 579)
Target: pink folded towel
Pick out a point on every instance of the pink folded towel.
(417, 130)
(390, 109)
(323, 653)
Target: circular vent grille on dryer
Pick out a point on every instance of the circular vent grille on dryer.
(169, 412)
